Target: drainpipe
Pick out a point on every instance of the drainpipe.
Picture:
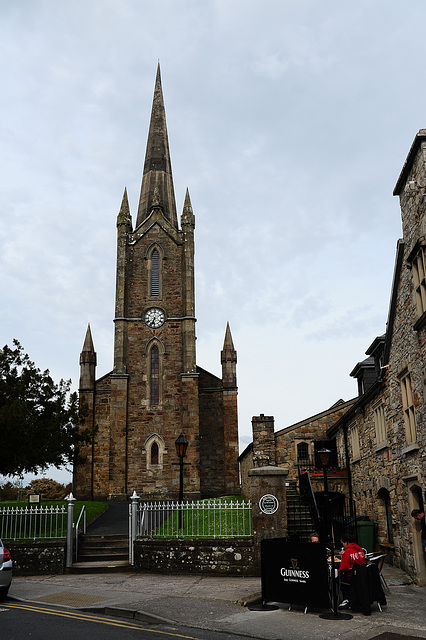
(348, 468)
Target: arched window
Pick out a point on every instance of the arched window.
(155, 450)
(155, 273)
(154, 453)
(154, 376)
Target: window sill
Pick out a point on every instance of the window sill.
(381, 446)
(357, 459)
(410, 448)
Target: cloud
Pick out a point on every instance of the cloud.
(289, 126)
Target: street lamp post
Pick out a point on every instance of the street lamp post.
(181, 445)
(325, 456)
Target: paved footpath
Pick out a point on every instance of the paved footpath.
(217, 603)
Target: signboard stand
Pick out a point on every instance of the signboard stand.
(263, 607)
(295, 573)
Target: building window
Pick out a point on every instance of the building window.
(154, 453)
(418, 267)
(155, 273)
(154, 375)
(408, 409)
(379, 422)
(354, 439)
(154, 265)
(155, 450)
(303, 453)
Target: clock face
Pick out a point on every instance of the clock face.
(154, 318)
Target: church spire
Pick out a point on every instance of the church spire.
(157, 169)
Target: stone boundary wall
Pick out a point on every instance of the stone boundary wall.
(232, 557)
(37, 557)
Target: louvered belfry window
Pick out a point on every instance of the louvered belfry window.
(155, 273)
(154, 376)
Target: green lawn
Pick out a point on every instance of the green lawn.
(208, 519)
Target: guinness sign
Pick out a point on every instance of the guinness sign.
(294, 572)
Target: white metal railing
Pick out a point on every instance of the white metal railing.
(33, 523)
(203, 519)
(82, 516)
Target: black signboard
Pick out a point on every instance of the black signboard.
(294, 572)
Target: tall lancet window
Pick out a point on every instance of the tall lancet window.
(154, 377)
(155, 273)
(154, 453)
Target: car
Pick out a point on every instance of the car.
(5, 571)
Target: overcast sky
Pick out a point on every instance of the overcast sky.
(289, 122)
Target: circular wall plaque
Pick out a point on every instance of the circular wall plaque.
(268, 504)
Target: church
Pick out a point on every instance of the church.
(156, 390)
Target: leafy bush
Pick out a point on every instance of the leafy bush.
(48, 488)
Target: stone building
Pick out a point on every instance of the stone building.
(292, 446)
(379, 438)
(156, 390)
(286, 451)
(383, 435)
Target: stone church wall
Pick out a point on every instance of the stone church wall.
(99, 419)
(212, 450)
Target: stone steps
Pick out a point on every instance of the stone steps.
(115, 566)
(97, 553)
(299, 521)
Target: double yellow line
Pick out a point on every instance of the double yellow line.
(89, 618)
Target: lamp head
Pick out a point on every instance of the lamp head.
(181, 445)
(325, 457)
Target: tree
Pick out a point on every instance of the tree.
(48, 488)
(40, 421)
(12, 490)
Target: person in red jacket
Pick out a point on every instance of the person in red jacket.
(353, 554)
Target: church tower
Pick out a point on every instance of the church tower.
(155, 389)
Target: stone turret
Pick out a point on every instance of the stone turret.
(87, 363)
(230, 412)
(188, 333)
(228, 358)
(124, 228)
